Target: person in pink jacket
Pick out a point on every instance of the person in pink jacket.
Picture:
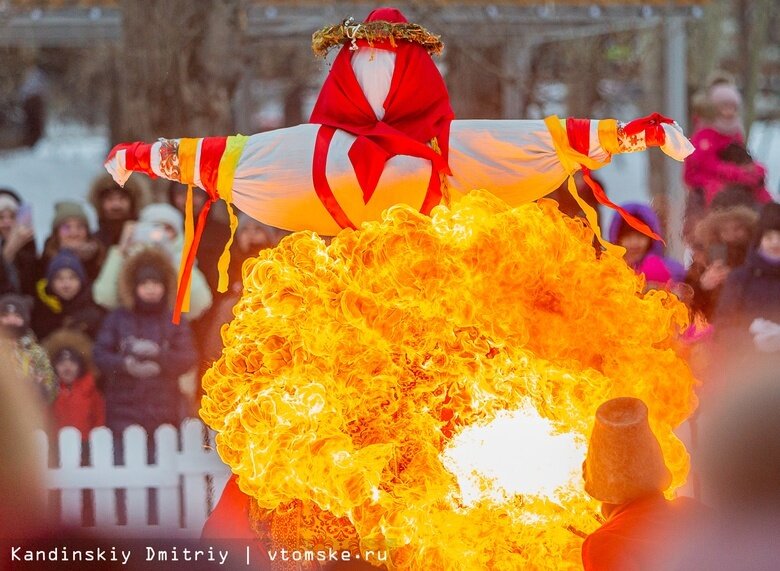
(721, 159)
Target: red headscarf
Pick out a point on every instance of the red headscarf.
(417, 109)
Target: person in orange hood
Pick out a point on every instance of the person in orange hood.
(625, 470)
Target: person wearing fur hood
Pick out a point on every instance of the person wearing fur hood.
(78, 402)
(746, 320)
(162, 225)
(115, 206)
(721, 243)
(139, 351)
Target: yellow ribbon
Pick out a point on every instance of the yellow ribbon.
(571, 161)
(227, 169)
(188, 149)
(608, 138)
(51, 301)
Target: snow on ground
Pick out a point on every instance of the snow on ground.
(60, 167)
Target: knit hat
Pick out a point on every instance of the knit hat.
(9, 200)
(624, 460)
(19, 304)
(162, 213)
(723, 93)
(149, 272)
(66, 259)
(65, 210)
(769, 219)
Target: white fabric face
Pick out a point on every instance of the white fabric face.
(374, 71)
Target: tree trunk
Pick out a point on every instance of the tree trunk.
(753, 20)
(706, 48)
(585, 62)
(177, 68)
(474, 81)
(650, 46)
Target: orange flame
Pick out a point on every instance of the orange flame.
(349, 368)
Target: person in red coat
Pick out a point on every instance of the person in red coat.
(78, 403)
(625, 470)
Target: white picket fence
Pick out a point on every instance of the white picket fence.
(186, 472)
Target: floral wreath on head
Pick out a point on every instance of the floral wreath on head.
(378, 31)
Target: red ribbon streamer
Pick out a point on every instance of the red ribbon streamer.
(631, 220)
(578, 132)
(211, 151)
(138, 157)
(190, 261)
(320, 179)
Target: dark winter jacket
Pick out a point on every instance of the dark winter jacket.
(80, 313)
(9, 282)
(149, 401)
(27, 269)
(707, 236)
(751, 291)
(92, 261)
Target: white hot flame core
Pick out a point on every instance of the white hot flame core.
(517, 453)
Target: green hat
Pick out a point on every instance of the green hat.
(65, 210)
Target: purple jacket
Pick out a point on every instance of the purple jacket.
(655, 255)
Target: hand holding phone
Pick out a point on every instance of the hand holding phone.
(21, 233)
(718, 253)
(24, 215)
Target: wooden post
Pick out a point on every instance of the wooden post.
(675, 105)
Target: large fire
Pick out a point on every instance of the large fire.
(433, 380)
(479, 458)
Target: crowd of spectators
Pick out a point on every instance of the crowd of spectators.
(731, 230)
(89, 318)
(93, 285)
